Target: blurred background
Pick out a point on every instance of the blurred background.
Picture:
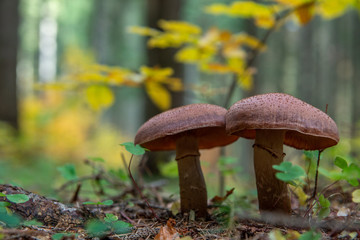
(79, 77)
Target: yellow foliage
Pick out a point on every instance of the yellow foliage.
(329, 9)
(305, 13)
(180, 27)
(159, 95)
(156, 73)
(253, 42)
(301, 195)
(144, 31)
(193, 54)
(265, 22)
(245, 9)
(99, 97)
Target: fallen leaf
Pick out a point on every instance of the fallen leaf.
(218, 199)
(168, 232)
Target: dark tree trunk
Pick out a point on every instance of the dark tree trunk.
(9, 21)
(156, 10)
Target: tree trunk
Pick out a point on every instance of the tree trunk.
(9, 21)
(168, 10)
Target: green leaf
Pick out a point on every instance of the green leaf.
(312, 155)
(310, 235)
(133, 149)
(10, 220)
(340, 162)
(108, 202)
(110, 218)
(96, 159)
(17, 198)
(2, 195)
(92, 203)
(288, 172)
(59, 236)
(121, 227)
(96, 228)
(4, 204)
(32, 223)
(323, 213)
(68, 171)
(351, 174)
(324, 202)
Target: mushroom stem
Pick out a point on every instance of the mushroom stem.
(268, 151)
(193, 194)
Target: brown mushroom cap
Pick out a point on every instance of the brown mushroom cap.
(205, 121)
(307, 127)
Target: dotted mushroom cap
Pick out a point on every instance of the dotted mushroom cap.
(306, 126)
(205, 121)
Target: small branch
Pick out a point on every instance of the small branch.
(139, 191)
(316, 174)
(255, 52)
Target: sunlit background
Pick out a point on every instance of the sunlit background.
(87, 78)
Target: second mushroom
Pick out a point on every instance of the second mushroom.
(275, 119)
(187, 129)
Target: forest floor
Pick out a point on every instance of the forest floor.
(152, 220)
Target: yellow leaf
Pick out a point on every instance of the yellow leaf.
(174, 84)
(245, 80)
(301, 195)
(156, 72)
(194, 54)
(175, 208)
(99, 97)
(179, 27)
(169, 39)
(217, 9)
(329, 9)
(158, 94)
(250, 9)
(356, 196)
(144, 31)
(276, 235)
(305, 12)
(253, 42)
(265, 22)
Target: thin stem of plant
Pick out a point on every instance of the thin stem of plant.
(255, 52)
(316, 175)
(139, 191)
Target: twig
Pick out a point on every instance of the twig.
(139, 191)
(316, 174)
(256, 51)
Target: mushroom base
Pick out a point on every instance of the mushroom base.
(268, 151)
(193, 194)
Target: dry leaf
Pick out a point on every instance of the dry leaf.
(168, 232)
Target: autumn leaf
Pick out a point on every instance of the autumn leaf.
(99, 97)
(219, 200)
(246, 9)
(356, 196)
(168, 232)
(179, 27)
(144, 31)
(158, 94)
(329, 9)
(304, 13)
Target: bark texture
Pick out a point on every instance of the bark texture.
(47, 211)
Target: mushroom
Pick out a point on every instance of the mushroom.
(275, 119)
(187, 129)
